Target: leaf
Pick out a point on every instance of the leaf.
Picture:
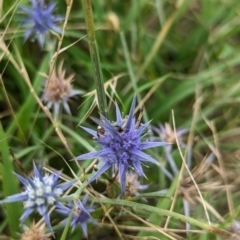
(10, 185)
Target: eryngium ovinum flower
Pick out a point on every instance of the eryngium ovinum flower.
(58, 89)
(133, 185)
(121, 146)
(166, 133)
(39, 20)
(35, 232)
(80, 214)
(41, 191)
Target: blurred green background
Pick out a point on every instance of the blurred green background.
(175, 55)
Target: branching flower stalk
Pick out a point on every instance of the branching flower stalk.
(102, 101)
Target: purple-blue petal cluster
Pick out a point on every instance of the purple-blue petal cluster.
(41, 191)
(80, 214)
(121, 146)
(39, 20)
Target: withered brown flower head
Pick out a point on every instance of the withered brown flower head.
(166, 133)
(35, 233)
(58, 89)
(133, 185)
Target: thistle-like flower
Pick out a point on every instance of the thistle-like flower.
(58, 89)
(80, 214)
(167, 134)
(35, 232)
(41, 191)
(133, 185)
(236, 227)
(121, 145)
(39, 20)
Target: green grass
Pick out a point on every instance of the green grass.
(181, 59)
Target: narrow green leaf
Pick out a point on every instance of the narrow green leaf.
(10, 185)
(98, 76)
(66, 229)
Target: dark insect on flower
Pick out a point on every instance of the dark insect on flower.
(80, 214)
(41, 191)
(121, 147)
(100, 131)
(120, 129)
(39, 20)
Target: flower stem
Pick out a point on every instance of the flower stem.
(101, 96)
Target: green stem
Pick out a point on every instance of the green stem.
(101, 96)
(168, 213)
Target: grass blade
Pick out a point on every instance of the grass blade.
(10, 185)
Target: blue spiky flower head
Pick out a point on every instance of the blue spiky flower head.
(39, 20)
(41, 191)
(80, 211)
(121, 146)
